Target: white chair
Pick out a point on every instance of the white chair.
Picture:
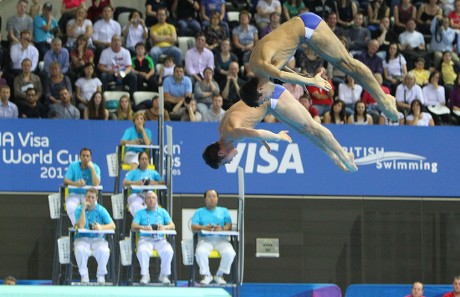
(141, 96)
(123, 19)
(112, 98)
(185, 43)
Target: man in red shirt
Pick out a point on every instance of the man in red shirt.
(456, 291)
(305, 101)
(321, 99)
(417, 290)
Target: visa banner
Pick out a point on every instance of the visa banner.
(392, 161)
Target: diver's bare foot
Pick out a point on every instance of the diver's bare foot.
(350, 163)
(388, 106)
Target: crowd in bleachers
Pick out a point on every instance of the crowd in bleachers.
(198, 50)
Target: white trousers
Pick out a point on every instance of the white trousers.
(71, 203)
(135, 203)
(145, 248)
(97, 247)
(204, 248)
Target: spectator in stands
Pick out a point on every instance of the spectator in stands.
(207, 7)
(144, 220)
(80, 25)
(336, 114)
(151, 11)
(35, 8)
(54, 83)
(141, 176)
(92, 216)
(358, 35)
(186, 12)
(296, 90)
(80, 56)
(166, 69)
(425, 15)
(336, 75)
(19, 23)
(322, 8)
(115, 65)
(435, 99)
(454, 17)
(417, 117)
(205, 90)
(370, 57)
(124, 109)
(407, 92)
(137, 134)
(402, 13)
(412, 44)
(292, 8)
(95, 109)
(306, 102)
(32, 108)
(448, 72)
(144, 69)
(454, 101)
(176, 88)
(215, 112)
(264, 9)
(231, 86)
(376, 11)
(56, 54)
(25, 80)
(360, 116)
(213, 218)
(244, 37)
(197, 59)
(186, 111)
(215, 33)
(417, 290)
(8, 110)
(69, 10)
(22, 50)
(420, 73)
(385, 35)
(322, 99)
(9, 281)
(441, 40)
(45, 29)
(346, 11)
(456, 288)
(332, 23)
(97, 9)
(104, 30)
(135, 31)
(222, 61)
(394, 67)
(86, 86)
(350, 93)
(163, 36)
(372, 108)
(64, 108)
(309, 61)
(274, 23)
(152, 114)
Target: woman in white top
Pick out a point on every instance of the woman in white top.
(350, 93)
(394, 67)
(80, 25)
(360, 116)
(435, 99)
(264, 9)
(135, 31)
(86, 86)
(417, 117)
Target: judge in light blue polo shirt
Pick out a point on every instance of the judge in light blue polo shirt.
(176, 88)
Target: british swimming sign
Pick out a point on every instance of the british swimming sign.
(392, 161)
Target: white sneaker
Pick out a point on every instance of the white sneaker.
(85, 279)
(145, 279)
(219, 279)
(164, 279)
(207, 279)
(101, 280)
